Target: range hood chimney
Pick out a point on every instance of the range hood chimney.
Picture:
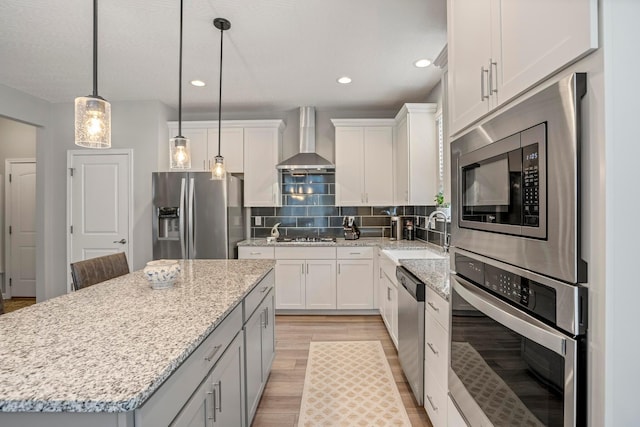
(307, 159)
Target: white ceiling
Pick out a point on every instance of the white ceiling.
(278, 54)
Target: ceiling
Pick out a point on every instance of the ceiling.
(278, 54)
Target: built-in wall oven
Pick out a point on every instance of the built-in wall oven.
(517, 345)
(515, 184)
(518, 309)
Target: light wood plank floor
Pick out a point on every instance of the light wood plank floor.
(280, 402)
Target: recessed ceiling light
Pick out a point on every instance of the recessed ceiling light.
(344, 80)
(421, 63)
(198, 83)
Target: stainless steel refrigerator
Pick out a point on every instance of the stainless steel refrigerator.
(195, 217)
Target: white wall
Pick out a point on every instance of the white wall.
(620, 229)
(17, 140)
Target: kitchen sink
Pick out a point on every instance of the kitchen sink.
(397, 254)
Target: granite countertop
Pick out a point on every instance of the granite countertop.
(108, 347)
(432, 272)
(382, 242)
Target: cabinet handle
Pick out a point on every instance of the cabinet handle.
(432, 305)
(263, 290)
(254, 253)
(366, 196)
(482, 85)
(301, 268)
(388, 294)
(338, 268)
(262, 325)
(211, 355)
(430, 399)
(212, 393)
(436, 352)
(307, 268)
(354, 253)
(380, 273)
(220, 395)
(266, 317)
(493, 89)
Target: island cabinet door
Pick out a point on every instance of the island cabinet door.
(219, 401)
(227, 378)
(259, 352)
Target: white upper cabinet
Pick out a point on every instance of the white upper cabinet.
(203, 136)
(262, 147)
(469, 51)
(231, 147)
(415, 155)
(497, 49)
(364, 172)
(197, 143)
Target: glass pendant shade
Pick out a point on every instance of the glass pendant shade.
(218, 171)
(92, 122)
(180, 153)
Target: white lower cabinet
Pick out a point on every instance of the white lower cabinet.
(259, 350)
(219, 401)
(355, 278)
(436, 357)
(389, 307)
(453, 416)
(306, 284)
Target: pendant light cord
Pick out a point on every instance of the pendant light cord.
(95, 48)
(180, 79)
(220, 93)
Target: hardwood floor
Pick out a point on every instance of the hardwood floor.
(283, 393)
(17, 303)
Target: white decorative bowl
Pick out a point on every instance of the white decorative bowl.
(162, 273)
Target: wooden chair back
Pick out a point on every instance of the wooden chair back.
(95, 270)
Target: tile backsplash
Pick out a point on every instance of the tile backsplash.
(308, 209)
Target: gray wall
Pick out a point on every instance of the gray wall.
(17, 140)
(136, 125)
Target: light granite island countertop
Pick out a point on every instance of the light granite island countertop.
(108, 347)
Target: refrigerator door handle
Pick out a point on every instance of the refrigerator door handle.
(192, 235)
(181, 213)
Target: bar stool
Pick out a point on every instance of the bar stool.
(95, 270)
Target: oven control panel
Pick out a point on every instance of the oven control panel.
(533, 297)
(508, 284)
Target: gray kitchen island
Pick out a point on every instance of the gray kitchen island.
(122, 354)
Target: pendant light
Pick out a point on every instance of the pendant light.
(179, 146)
(92, 112)
(218, 169)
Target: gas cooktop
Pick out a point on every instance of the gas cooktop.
(307, 239)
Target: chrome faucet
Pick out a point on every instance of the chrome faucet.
(446, 235)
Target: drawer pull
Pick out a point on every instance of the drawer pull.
(430, 399)
(436, 352)
(436, 309)
(254, 253)
(355, 253)
(210, 357)
(263, 290)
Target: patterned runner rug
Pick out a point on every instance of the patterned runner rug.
(349, 383)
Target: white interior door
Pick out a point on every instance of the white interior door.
(20, 229)
(99, 204)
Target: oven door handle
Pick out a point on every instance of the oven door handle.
(510, 317)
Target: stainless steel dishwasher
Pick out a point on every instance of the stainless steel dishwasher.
(411, 330)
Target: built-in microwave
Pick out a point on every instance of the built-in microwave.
(503, 185)
(515, 184)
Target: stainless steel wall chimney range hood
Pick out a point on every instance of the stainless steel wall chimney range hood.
(306, 159)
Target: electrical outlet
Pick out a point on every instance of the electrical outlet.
(258, 220)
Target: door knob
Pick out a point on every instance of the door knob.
(121, 241)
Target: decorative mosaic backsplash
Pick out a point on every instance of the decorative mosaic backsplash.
(308, 209)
